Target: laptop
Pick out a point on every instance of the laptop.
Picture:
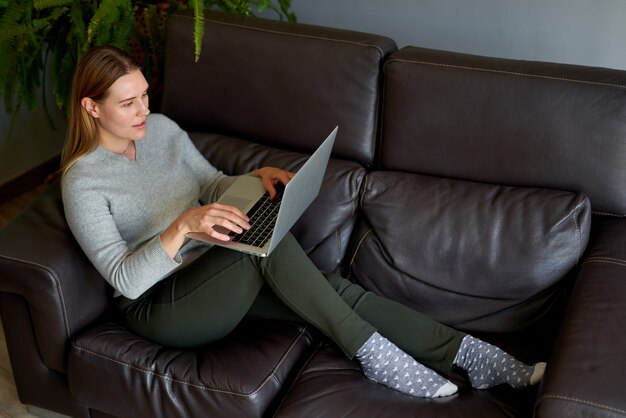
(271, 220)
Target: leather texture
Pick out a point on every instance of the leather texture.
(235, 377)
(36, 383)
(583, 378)
(492, 252)
(41, 261)
(252, 83)
(508, 122)
(339, 383)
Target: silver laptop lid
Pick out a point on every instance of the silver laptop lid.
(302, 189)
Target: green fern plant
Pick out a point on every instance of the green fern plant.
(39, 34)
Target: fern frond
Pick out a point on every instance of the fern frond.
(285, 8)
(198, 28)
(120, 28)
(46, 24)
(20, 77)
(153, 40)
(11, 20)
(281, 9)
(33, 70)
(105, 15)
(238, 7)
(264, 4)
(5, 48)
(77, 22)
(63, 63)
(46, 4)
(7, 69)
(44, 86)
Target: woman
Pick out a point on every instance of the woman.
(132, 187)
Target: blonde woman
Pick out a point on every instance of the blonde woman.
(134, 186)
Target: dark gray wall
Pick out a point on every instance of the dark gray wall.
(32, 141)
(569, 31)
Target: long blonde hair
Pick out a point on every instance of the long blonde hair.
(94, 74)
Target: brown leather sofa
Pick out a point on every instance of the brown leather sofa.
(487, 193)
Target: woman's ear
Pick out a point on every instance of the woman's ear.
(90, 106)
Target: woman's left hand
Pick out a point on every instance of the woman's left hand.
(270, 176)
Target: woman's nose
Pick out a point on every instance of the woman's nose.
(143, 110)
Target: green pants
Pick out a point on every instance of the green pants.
(207, 299)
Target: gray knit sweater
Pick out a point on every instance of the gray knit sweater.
(117, 208)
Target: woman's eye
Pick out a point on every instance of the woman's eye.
(127, 104)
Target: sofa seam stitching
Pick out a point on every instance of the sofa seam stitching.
(616, 215)
(299, 35)
(276, 32)
(57, 285)
(358, 247)
(584, 402)
(515, 73)
(193, 385)
(606, 260)
(301, 370)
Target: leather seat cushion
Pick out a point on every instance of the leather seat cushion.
(330, 385)
(117, 372)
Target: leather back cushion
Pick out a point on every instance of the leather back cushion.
(476, 256)
(275, 82)
(510, 122)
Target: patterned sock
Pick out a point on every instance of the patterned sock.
(386, 364)
(487, 366)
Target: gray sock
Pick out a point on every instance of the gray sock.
(487, 365)
(384, 363)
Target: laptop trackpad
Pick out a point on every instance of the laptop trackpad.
(238, 202)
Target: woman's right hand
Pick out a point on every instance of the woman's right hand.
(215, 219)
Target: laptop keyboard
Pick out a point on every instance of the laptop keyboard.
(262, 220)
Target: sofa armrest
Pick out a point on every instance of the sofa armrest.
(41, 262)
(585, 375)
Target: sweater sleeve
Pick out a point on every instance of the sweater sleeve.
(130, 273)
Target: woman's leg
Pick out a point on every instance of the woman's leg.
(197, 305)
(298, 284)
(436, 345)
(296, 281)
(206, 300)
(428, 341)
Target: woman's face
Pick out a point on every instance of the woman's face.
(121, 116)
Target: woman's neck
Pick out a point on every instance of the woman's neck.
(123, 147)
